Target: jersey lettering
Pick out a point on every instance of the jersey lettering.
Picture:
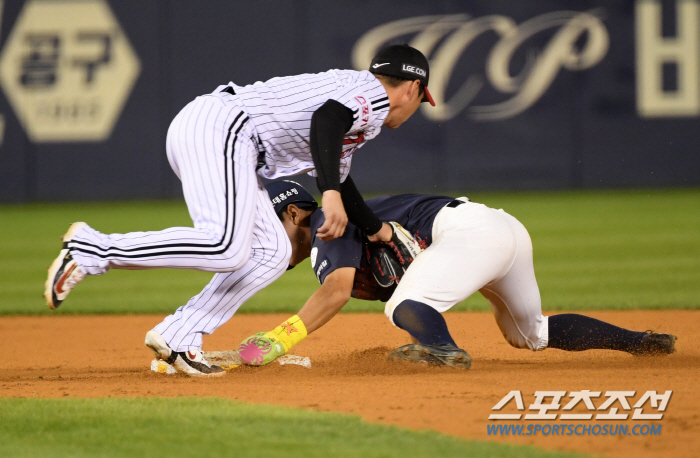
(356, 141)
(319, 271)
(364, 110)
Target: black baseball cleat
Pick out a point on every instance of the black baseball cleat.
(655, 344)
(190, 362)
(437, 355)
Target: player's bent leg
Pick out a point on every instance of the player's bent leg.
(573, 332)
(216, 304)
(472, 245)
(96, 253)
(516, 304)
(210, 149)
(515, 297)
(520, 324)
(226, 292)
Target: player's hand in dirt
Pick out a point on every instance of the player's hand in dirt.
(336, 218)
(260, 349)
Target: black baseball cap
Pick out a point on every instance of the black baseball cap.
(285, 192)
(403, 61)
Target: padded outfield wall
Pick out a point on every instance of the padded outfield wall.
(531, 95)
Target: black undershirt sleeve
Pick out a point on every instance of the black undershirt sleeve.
(329, 124)
(356, 208)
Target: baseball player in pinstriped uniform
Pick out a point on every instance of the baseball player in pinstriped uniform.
(469, 247)
(218, 145)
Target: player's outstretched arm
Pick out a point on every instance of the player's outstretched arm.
(324, 304)
(327, 301)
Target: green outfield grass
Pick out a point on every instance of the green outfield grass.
(211, 427)
(594, 250)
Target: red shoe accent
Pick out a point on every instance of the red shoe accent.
(64, 277)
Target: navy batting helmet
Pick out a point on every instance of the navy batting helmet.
(285, 192)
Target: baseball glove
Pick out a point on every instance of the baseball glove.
(365, 286)
(384, 264)
(379, 273)
(404, 246)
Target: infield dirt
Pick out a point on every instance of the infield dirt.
(101, 356)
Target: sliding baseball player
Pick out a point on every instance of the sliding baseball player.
(469, 247)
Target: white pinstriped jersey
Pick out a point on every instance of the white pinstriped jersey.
(281, 108)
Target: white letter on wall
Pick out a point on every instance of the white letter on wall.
(654, 50)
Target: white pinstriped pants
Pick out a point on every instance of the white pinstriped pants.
(236, 232)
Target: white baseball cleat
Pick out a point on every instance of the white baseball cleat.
(190, 362)
(64, 272)
(160, 348)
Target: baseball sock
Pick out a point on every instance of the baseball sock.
(573, 332)
(423, 322)
(290, 333)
